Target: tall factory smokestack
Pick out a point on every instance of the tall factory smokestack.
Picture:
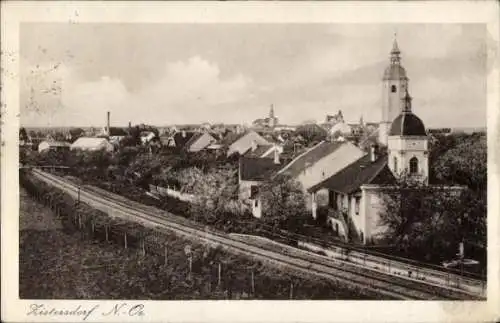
(107, 124)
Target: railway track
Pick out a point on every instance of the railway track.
(383, 284)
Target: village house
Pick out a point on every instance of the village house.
(51, 145)
(147, 136)
(263, 151)
(92, 144)
(253, 171)
(320, 162)
(199, 141)
(243, 142)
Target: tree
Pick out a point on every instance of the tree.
(23, 135)
(312, 133)
(282, 200)
(461, 160)
(424, 221)
(214, 191)
(76, 133)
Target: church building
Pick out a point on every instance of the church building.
(268, 123)
(350, 200)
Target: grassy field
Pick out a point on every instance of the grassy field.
(57, 265)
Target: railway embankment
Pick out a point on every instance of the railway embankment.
(71, 250)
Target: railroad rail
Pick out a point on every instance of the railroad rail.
(384, 284)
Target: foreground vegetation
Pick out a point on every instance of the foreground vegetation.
(89, 255)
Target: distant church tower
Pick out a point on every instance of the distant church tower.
(394, 86)
(408, 144)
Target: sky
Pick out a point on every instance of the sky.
(161, 74)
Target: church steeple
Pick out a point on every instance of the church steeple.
(395, 52)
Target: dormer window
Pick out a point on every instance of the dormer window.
(393, 88)
(395, 164)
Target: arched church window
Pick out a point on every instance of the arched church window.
(413, 165)
(395, 163)
(393, 89)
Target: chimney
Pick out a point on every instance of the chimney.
(254, 145)
(129, 124)
(107, 124)
(373, 153)
(276, 155)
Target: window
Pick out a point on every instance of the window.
(356, 205)
(393, 88)
(395, 163)
(413, 165)
(332, 199)
(254, 190)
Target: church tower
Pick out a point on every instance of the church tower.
(408, 144)
(394, 86)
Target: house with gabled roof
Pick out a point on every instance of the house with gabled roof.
(321, 161)
(344, 200)
(264, 151)
(243, 142)
(253, 171)
(52, 145)
(199, 141)
(92, 144)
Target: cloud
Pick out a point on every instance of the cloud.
(186, 91)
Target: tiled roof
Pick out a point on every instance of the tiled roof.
(232, 137)
(257, 169)
(258, 152)
(58, 143)
(311, 156)
(363, 171)
(180, 140)
(116, 131)
(193, 139)
(89, 142)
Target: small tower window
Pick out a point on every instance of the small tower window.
(395, 164)
(414, 165)
(393, 88)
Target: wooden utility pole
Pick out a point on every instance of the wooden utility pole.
(291, 290)
(253, 283)
(166, 255)
(125, 239)
(219, 274)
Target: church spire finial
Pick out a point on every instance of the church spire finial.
(395, 52)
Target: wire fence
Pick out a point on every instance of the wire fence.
(224, 277)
